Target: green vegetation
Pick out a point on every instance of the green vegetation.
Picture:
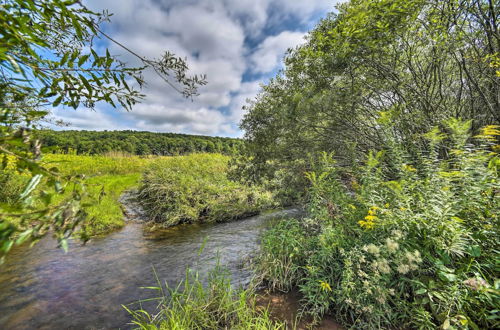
(411, 63)
(416, 247)
(196, 188)
(215, 305)
(43, 68)
(385, 123)
(103, 180)
(132, 142)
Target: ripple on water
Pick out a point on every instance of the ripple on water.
(44, 288)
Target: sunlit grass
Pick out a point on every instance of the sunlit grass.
(194, 304)
(106, 178)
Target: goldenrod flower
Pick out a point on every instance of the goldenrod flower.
(325, 286)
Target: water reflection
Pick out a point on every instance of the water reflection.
(44, 288)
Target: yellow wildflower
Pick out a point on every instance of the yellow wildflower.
(325, 286)
(409, 168)
(489, 132)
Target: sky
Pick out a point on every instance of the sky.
(238, 44)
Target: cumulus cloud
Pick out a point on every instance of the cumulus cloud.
(268, 55)
(225, 39)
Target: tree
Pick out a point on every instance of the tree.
(48, 59)
(408, 63)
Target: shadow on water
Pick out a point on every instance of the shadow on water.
(44, 288)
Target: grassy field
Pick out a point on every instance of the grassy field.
(173, 190)
(106, 179)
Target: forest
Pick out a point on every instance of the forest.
(364, 194)
(133, 142)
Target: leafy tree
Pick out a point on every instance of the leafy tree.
(140, 143)
(48, 58)
(410, 63)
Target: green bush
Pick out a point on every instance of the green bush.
(411, 246)
(196, 188)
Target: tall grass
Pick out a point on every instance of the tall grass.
(195, 305)
(106, 178)
(97, 165)
(196, 188)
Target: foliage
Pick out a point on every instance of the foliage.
(103, 178)
(411, 63)
(49, 58)
(196, 188)
(132, 142)
(282, 255)
(193, 305)
(414, 248)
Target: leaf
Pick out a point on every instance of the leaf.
(24, 236)
(63, 243)
(86, 83)
(421, 291)
(475, 251)
(446, 324)
(57, 101)
(35, 180)
(447, 277)
(83, 59)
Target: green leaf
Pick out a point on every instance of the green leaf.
(475, 251)
(57, 101)
(24, 236)
(35, 180)
(63, 243)
(421, 291)
(447, 277)
(86, 83)
(83, 59)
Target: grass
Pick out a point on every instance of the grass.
(213, 305)
(107, 177)
(192, 188)
(195, 188)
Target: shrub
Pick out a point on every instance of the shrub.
(413, 247)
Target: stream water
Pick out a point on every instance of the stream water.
(45, 288)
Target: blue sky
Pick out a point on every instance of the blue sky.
(238, 44)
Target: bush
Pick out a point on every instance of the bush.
(196, 188)
(415, 247)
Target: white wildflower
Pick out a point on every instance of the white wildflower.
(392, 246)
(403, 269)
(384, 267)
(373, 249)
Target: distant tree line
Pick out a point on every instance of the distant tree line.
(133, 142)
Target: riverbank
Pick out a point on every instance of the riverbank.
(286, 307)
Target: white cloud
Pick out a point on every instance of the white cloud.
(270, 52)
(248, 91)
(86, 119)
(213, 35)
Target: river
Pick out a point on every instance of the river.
(45, 288)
